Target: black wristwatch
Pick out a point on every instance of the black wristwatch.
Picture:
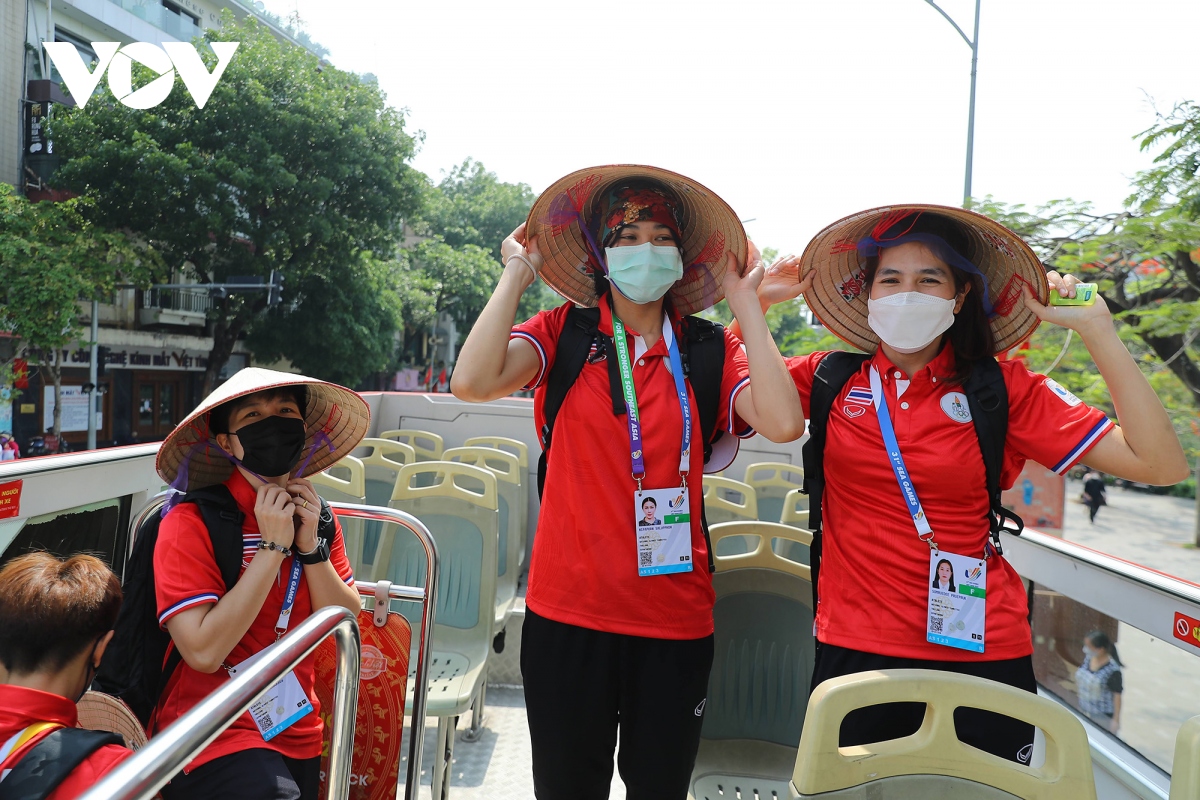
(321, 553)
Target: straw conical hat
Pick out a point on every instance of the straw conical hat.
(336, 418)
(839, 293)
(103, 712)
(710, 229)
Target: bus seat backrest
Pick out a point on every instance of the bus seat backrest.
(1185, 770)
(772, 481)
(428, 446)
(459, 505)
(934, 758)
(764, 647)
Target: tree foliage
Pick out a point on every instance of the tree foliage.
(51, 258)
(472, 206)
(292, 165)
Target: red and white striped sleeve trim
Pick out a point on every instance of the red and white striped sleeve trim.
(541, 353)
(748, 431)
(183, 605)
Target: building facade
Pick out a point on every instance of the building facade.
(154, 343)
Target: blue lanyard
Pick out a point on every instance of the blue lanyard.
(289, 599)
(903, 479)
(624, 366)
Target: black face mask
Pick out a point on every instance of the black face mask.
(272, 446)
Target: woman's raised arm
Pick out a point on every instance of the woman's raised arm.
(492, 365)
(1144, 446)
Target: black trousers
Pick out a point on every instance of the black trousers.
(583, 688)
(258, 774)
(997, 734)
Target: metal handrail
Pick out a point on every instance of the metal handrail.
(427, 597)
(140, 776)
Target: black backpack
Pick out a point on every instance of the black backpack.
(987, 397)
(51, 760)
(701, 351)
(136, 666)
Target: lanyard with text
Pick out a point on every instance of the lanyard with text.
(957, 603)
(635, 424)
(924, 531)
(289, 599)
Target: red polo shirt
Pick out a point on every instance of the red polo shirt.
(186, 575)
(584, 570)
(21, 707)
(874, 571)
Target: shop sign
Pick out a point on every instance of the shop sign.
(141, 358)
(75, 406)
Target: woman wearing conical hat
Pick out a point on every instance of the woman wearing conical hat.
(617, 638)
(932, 294)
(252, 442)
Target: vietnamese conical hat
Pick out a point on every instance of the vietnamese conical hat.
(838, 296)
(709, 227)
(336, 418)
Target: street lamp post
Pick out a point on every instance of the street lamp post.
(972, 43)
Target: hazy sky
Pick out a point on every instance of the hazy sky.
(797, 112)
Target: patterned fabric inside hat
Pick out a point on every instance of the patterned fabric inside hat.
(642, 201)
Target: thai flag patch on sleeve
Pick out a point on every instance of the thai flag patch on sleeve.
(860, 395)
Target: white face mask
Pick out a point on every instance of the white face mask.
(909, 321)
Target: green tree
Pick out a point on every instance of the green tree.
(51, 258)
(292, 165)
(472, 206)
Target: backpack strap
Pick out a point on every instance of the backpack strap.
(987, 397)
(830, 376)
(48, 763)
(224, 520)
(702, 351)
(579, 332)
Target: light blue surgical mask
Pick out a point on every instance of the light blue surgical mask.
(644, 273)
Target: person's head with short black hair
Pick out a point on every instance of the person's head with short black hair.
(56, 618)
(219, 418)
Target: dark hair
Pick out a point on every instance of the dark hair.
(1100, 639)
(945, 561)
(971, 334)
(650, 500)
(218, 418)
(52, 609)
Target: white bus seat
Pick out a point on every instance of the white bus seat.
(459, 506)
(521, 451)
(428, 446)
(932, 762)
(1185, 770)
(762, 666)
(508, 492)
(382, 460)
(352, 488)
(727, 500)
(772, 481)
(795, 513)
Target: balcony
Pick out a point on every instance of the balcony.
(185, 307)
(179, 26)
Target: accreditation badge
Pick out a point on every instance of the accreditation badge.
(282, 704)
(957, 601)
(664, 531)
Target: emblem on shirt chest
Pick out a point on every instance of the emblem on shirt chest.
(955, 406)
(858, 399)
